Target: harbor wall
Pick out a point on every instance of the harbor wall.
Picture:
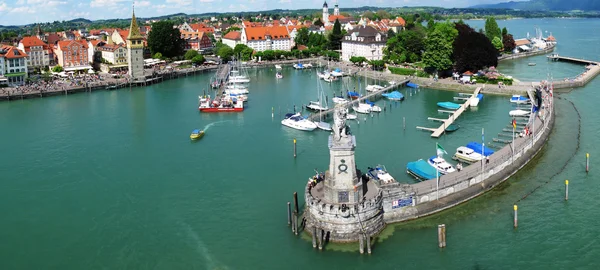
(464, 185)
(526, 54)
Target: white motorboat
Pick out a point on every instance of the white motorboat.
(339, 100)
(236, 91)
(518, 113)
(236, 77)
(278, 67)
(467, 155)
(316, 106)
(380, 173)
(299, 66)
(309, 65)
(278, 75)
(330, 79)
(351, 116)
(441, 165)
(297, 121)
(375, 108)
(362, 108)
(337, 73)
(374, 87)
(519, 99)
(323, 74)
(323, 125)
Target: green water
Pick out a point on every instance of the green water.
(110, 180)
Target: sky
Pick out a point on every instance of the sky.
(19, 12)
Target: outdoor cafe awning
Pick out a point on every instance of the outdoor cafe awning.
(524, 47)
(77, 68)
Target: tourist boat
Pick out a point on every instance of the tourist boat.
(519, 99)
(518, 113)
(337, 73)
(452, 128)
(441, 165)
(278, 75)
(278, 67)
(374, 88)
(475, 101)
(297, 121)
(339, 100)
(477, 148)
(380, 173)
(353, 95)
(395, 96)
(467, 155)
(223, 105)
(362, 108)
(412, 85)
(421, 170)
(449, 105)
(197, 134)
(299, 66)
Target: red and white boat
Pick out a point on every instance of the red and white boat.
(224, 105)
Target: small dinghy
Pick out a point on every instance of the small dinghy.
(518, 113)
(323, 125)
(519, 99)
(452, 128)
(449, 105)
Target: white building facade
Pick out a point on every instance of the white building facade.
(267, 38)
(363, 41)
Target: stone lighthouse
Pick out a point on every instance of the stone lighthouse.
(343, 206)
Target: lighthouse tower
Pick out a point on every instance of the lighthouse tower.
(135, 51)
(343, 205)
(325, 13)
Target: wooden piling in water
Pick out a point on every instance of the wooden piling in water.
(289, 212)
(296, 223)
(314, 237)
(368, 243)
(294, 147)
(296, 202)
(293, 223)
(361, 243)
(566, 190)
(587, 162)
(442, 235)
(515, 216)
(321, 236)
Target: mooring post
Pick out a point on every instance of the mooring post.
(443, 235)
(440, 240)
(368, 243)
(587, 162)
(566, 190)
(404, 122)
(296, 226)
(289, 208)
(361, 243)
(293, 223)
(296, 202)
(320, 236)
(272, 112)
(515, 216)
(294, 147)
(314, 237)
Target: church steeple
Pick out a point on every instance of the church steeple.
(336, 9)
(134, 29)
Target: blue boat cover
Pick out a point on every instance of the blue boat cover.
(422, 169)
(480, 96)
(196, 131)
(394, 95)
(353, 94)
(477, 148)
(412, 85)
(300, 65)
(519, 98)
(288, 115)
(449, 105)
(338, 70)
(369, 102)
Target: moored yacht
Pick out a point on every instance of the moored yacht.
(362, 108)
(297, 121)
(316, 106)
(467, 155)
(374, 87)
(441, 165)
(339, 100)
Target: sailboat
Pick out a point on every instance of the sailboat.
(316, 105)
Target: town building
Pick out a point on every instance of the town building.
(135, 51)
(13, 65)
(266, 38)
(37, 51)
(72, 55)
(232, 38)
(196, 40)
(329, 19)
(363, 41)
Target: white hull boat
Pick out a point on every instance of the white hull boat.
(323, 125)
(316, 106)
(329, 79)
(337, 73)
(239, 79)
(380, 173)
(441, 165)
(296, 121)
(362, 108)
(351, 116)
(467, 155)
(339, 100)
(518, 99)
(375, 108)
(277, 66)
(322, 75)
(374, 88)
(518, 113)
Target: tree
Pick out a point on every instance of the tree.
(336, 36)
(438, 51)
(472, 50)
(491, 29)
(233, 28)
(390, 33)
(225, 53)
(497, 43)
(57, 68)
(166, 39)
(198, 59)
(382, 14)
(318, 22)
(377, 64)
(358, 60)
(242, 51)
(157, 55)
(504, 31)
(430, 24)
(405, 46)
(508, 42)
(190, 54)
(303, 36)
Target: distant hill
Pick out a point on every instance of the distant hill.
(554, 5)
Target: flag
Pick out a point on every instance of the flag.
(440, 150)
(514, 122)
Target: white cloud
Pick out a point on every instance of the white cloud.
(54, 3)
(82, 14)
(180, 2)
(23, 10)
(206, 1)
(21, 2)
(142, 3)
(285, 1)
(3, 7)
(159, 6)
(105, 3)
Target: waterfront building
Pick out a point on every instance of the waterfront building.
(72, 54)
(115, 54)
(13, 65)
(196, 40)
(135, 51)
(363, 41)
(266, 38)
(37, 51)
(342, 203)
(232, 38)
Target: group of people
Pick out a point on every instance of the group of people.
(57, 84)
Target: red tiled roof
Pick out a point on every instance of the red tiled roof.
(95, 32)
(200, 27)
(95, 42)
(302, 47)
(333, 17)
(260, 33)
(109, 47)
(32, 41)
(53, 38)
(124, 34)
(233, 35)
(69, 43)
(468, 73)
(522, 41)
(12, 52)
(401, 21)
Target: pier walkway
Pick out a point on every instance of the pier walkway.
(222, 73)
(437, 132)
(556, 57)
(356, 101)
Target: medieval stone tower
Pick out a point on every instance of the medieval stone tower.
(135, 51)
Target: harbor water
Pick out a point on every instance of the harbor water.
(111, 180)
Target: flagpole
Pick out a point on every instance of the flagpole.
(513, 141)
(482, 151)
(437, 175)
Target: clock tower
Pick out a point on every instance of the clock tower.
(135, 51)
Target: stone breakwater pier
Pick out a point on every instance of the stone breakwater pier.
(342, 205)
